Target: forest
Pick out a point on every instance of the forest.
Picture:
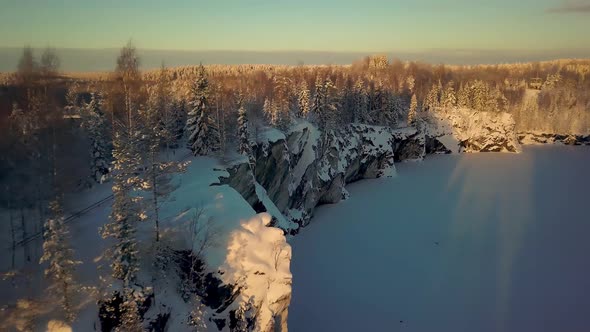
(65, 132)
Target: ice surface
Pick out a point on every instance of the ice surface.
(476, 242)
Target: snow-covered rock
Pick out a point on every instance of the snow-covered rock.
(305, 167)
(466, 130)
(258, 261)
(408, 144)
(529, 138)
(240, 269)
(217, 250)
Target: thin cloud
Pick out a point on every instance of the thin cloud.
(572, 7)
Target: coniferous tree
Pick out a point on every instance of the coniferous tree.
(303, 101)
(244, 144)
(177, 123)
(361, 108)
(384, 106)
(396, 109)
(126, 210)
(130, 318)
(162, 112)
(463, 99)
(280, 103)
(156, 134)
(412, 115)
(318, 108)
(270, 112)
(124, 217)
(96, 126)
(449, 98)
(479, 95)
(60, 258)
(202, 129)
(493, 100)
(433, 98)
(324, 105)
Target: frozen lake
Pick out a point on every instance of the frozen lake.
(479, 242)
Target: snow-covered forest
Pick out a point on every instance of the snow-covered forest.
(140, 137)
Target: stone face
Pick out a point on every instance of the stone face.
(242, 180)
(553, 138)
(466, 130)
(306, 168)
(409, 144)
(272, 170)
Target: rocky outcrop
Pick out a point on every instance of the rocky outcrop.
(409, 144)
(527, 138)
(300, 169)
(303, 168)
(466, 130)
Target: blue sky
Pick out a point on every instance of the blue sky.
(327, 25)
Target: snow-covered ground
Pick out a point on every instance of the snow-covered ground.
(237, 247)
(476, 242)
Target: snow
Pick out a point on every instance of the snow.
(58, 326)
(482, 130)
(258, 258)
(307, 146)
(470, 242)
(270, 135)
(450, 142)
(272, 209)
(229, 219)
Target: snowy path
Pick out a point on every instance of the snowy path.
(483, 242)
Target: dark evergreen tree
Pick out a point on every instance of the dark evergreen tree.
(201, 127)
(60, 258)
(96, 126)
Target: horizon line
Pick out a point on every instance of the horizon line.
(305, 50)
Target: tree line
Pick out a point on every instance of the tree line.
(65, 133)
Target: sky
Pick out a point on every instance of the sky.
(301, 25)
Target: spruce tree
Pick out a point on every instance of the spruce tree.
(303, 101)
(463, 99)
(96, 126)
(176, 125)
(325, 105)
(449, 97)
(479, 95)
(244, 144)
(412, 115)
(318, 108)
(203, 133)
(280, 103)
(60, 258)
(433, 98)
(162, 112)
(384, 104)
(269, 111)
(361, 108)
(396, 109)
(155, 135)
(126, 211)
(130, 318)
